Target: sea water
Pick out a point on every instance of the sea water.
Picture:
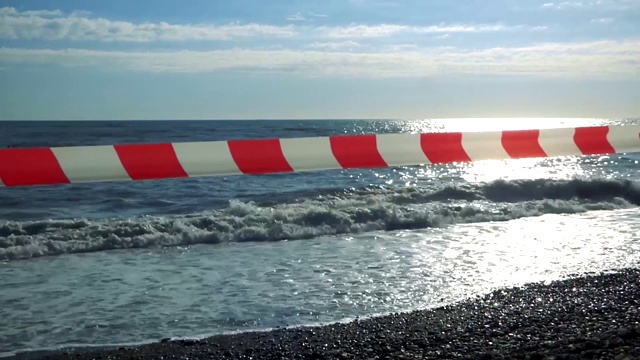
(131, 262)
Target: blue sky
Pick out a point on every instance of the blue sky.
(242, 59)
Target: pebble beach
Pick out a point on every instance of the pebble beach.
(591, 316)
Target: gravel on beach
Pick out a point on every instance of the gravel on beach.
(594, 316)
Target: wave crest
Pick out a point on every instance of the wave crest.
(323, 215)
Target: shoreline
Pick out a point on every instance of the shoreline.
(594, 316)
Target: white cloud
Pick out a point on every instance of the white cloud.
(362, 31)
(554, 59)
(296, 17)
(300, 17)
(11, 11)
(564, 5)
(77, 26)
(80, 13)
(385, 30)
(342, 45)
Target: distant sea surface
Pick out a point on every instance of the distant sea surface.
(131, 262)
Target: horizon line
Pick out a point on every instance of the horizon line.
(325, 119)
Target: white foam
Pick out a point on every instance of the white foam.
(392, 209)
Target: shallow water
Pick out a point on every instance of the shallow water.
(123, 296)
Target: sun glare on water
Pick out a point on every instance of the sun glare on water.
(497, 124)
(566, 167)
(529, 169)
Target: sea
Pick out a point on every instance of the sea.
(123, 263)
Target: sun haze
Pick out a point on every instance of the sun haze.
(298, 59)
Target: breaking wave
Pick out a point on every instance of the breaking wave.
(326, 214)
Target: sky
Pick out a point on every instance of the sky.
(294, 59)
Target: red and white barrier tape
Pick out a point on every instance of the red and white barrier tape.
(64, 165)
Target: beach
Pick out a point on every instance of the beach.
(594, 316)
(357, 179)
(101, 266)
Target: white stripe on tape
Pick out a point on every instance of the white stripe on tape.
(206, 158)
(401, 149)
(558, 142)
(90, 163)
(484, 145)
(309, 154)
(624, 139)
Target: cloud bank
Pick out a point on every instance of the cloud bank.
(553, 59)
(54, 25)
(79, 26)
(345, 50)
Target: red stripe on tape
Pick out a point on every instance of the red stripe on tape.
(357, 151)
(522, 144)
(442, 148)
(263, 156)
(593, 140)
(150, 161)
(34, 166)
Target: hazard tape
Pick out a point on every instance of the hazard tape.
(133, 162)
